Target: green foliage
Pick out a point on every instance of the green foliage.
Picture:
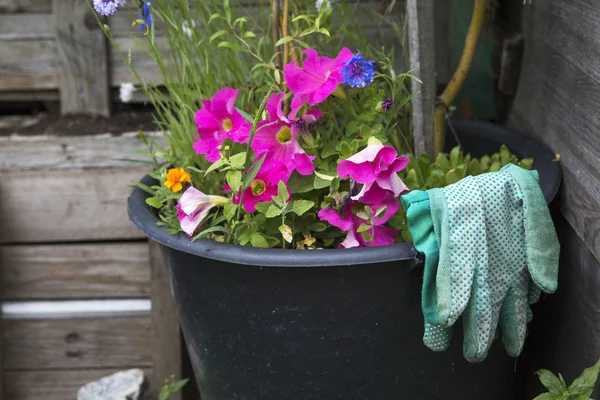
(580, 389)
(171, 386)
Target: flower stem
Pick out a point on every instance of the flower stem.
(460, 75)
(257, 117)
(275, 33)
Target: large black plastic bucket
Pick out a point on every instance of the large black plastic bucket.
(271, 324)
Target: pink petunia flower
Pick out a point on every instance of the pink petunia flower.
(194, 206)
(375, 164)
(278, 137)
(218, 120)
(264, 185)
(316, 80)
(348, 221)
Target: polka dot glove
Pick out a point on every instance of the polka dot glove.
(490, 249)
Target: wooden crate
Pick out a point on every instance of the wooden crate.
(54, 50)
(66, 238)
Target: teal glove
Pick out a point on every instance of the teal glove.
(490, 249)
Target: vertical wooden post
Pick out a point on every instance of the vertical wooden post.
(420, 14)
(83, 59)
(443, 70)
(166, 334)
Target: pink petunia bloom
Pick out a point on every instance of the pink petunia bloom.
(264, 185)
(316, 80)
(194, 206)
(278, 137)
(348, 221)
(218, 120)
(375, 164)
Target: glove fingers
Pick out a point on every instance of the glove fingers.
(480, 321)
(437, 337)
(513, 320)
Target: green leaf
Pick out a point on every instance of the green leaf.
(282, 192)
(442, 162)
(211, 230)
(155, 202)
(549, 396)
(215, 15)
(286, 233)
(362, 215)
(317, 227)
(583, 397)
(495, 166)
(584, 385)
(411, 179)
(436, 179)
(455, 157)
(257, 240)
(164, 393)
(485, 163)
(253, 171)
(381, 211)
(176, 386)
(504, 155)
(320, 183)
(249, 35)
(237, 160)
(217, 34)
(562, 381)
(324, 32)
(452, 177)
(273, 211)
(215, 165)
(234, 180)
(474, 167)
(284, 40)
(366, 236)
(345, 149)
(300, 183)
(424, 164)
(329, 149)
(526, 163)
(244, 114)
(230, 45)
(550, 381)
(229, 210)
(302, 206)
(263, 207)
(352, 127)
(363, 228)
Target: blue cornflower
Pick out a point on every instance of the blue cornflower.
(144, 20)
(358, 72)
(107, 7)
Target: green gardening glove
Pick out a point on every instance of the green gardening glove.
(490, 249)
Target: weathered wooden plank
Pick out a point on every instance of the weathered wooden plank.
(420, 15)
(52, 385)
(83, 63)
(27, 26)
(77, 343)
(24, 6)
(34, 272)
(68, 205)
(166, 334)
(49, 153)
(28, 65)
(548, 85)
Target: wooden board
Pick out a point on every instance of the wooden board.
(166, 334)
(21, 6)
(83, 63)
(557, 101)
(55, 153)
(420, 15)
(52, 385)
(76, 343)
(71, 205)
(80, 271)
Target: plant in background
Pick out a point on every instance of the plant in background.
(580, 389)
(171, 386)
(277, 133)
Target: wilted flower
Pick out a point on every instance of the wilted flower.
(176, 177)
(358, 72)
(126, 92)
(218, 121)
(375, 164)
(278, 137)
(107, 7)
(264, 185)
(316, 80)
(194, 206)
(387, 104)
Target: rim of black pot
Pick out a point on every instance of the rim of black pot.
(144, 218)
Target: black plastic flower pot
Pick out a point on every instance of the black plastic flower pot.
(272, 324)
